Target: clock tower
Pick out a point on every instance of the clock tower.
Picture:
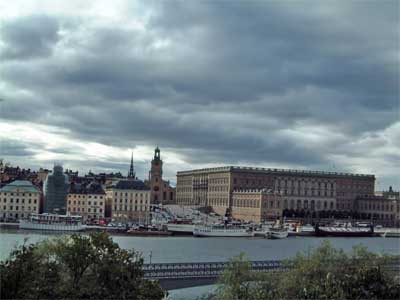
(155, 177)
(161, 190)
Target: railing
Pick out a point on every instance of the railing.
(206, 269)
(215, 269)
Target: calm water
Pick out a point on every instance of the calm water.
(189, 249)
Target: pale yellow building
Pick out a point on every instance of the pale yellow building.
(256, 205)
(87, 200)
(129, 201)
(18, 199)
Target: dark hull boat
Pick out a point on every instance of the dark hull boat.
(344, 231)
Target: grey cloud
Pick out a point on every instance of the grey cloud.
(9, 147)
(29, 37)
(230, 78)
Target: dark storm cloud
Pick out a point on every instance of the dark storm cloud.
(217, 82)
(14, 148)
(28, 37)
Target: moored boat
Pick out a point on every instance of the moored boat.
(391, 233)
(135, 232)
(305, 230)
(222, 231)
(349, 231)
(52, 222)
(180, 228)
(277, 233)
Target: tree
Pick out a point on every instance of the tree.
(75, 267)
(327, 273)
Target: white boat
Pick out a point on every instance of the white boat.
(180, 228)
(52, 222)
(222, 231)
(305, 230)
(391, 233)
(277, 233)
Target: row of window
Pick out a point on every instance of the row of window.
(136, 201)
(16, 194)
(184, 189)
(84, 196)
(219, 201)
(130, 208)
(355, 187)
(78, 209)
(130, 194)
(22, 200)
(218, 181)
(11, 207)
(308, 192)
(295, 183)
(218, 188)
(299, 204)
(377, 206)
(306, 204)
(89, 202)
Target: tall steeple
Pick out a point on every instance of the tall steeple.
(157, 154)
(131, 173)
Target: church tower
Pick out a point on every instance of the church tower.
(131, 174)
(156, 165)
(155, 177)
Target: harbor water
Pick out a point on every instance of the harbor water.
(191, 249)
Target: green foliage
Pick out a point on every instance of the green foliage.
(327, 273)
(75, 267)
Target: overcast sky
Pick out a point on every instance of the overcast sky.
(296, 84)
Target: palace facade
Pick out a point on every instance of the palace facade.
(300, 189)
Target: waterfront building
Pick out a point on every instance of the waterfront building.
(129, 200)
(256, 205)
(18, 199)
(87, 200)
(302, 190)
(161, 190)
(378, 207)
(390, 194)
(55, 191)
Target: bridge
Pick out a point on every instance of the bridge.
(182, 275)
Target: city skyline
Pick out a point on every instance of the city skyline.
(270, 85)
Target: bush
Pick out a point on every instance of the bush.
(75, 267)
(327, 273)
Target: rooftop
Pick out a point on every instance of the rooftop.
(129, 185)
(24, 185)
(274, 171)
(86, 188)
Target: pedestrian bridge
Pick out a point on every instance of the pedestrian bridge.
(181, 275)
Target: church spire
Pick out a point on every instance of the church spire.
(157, 154)
(131, 173)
